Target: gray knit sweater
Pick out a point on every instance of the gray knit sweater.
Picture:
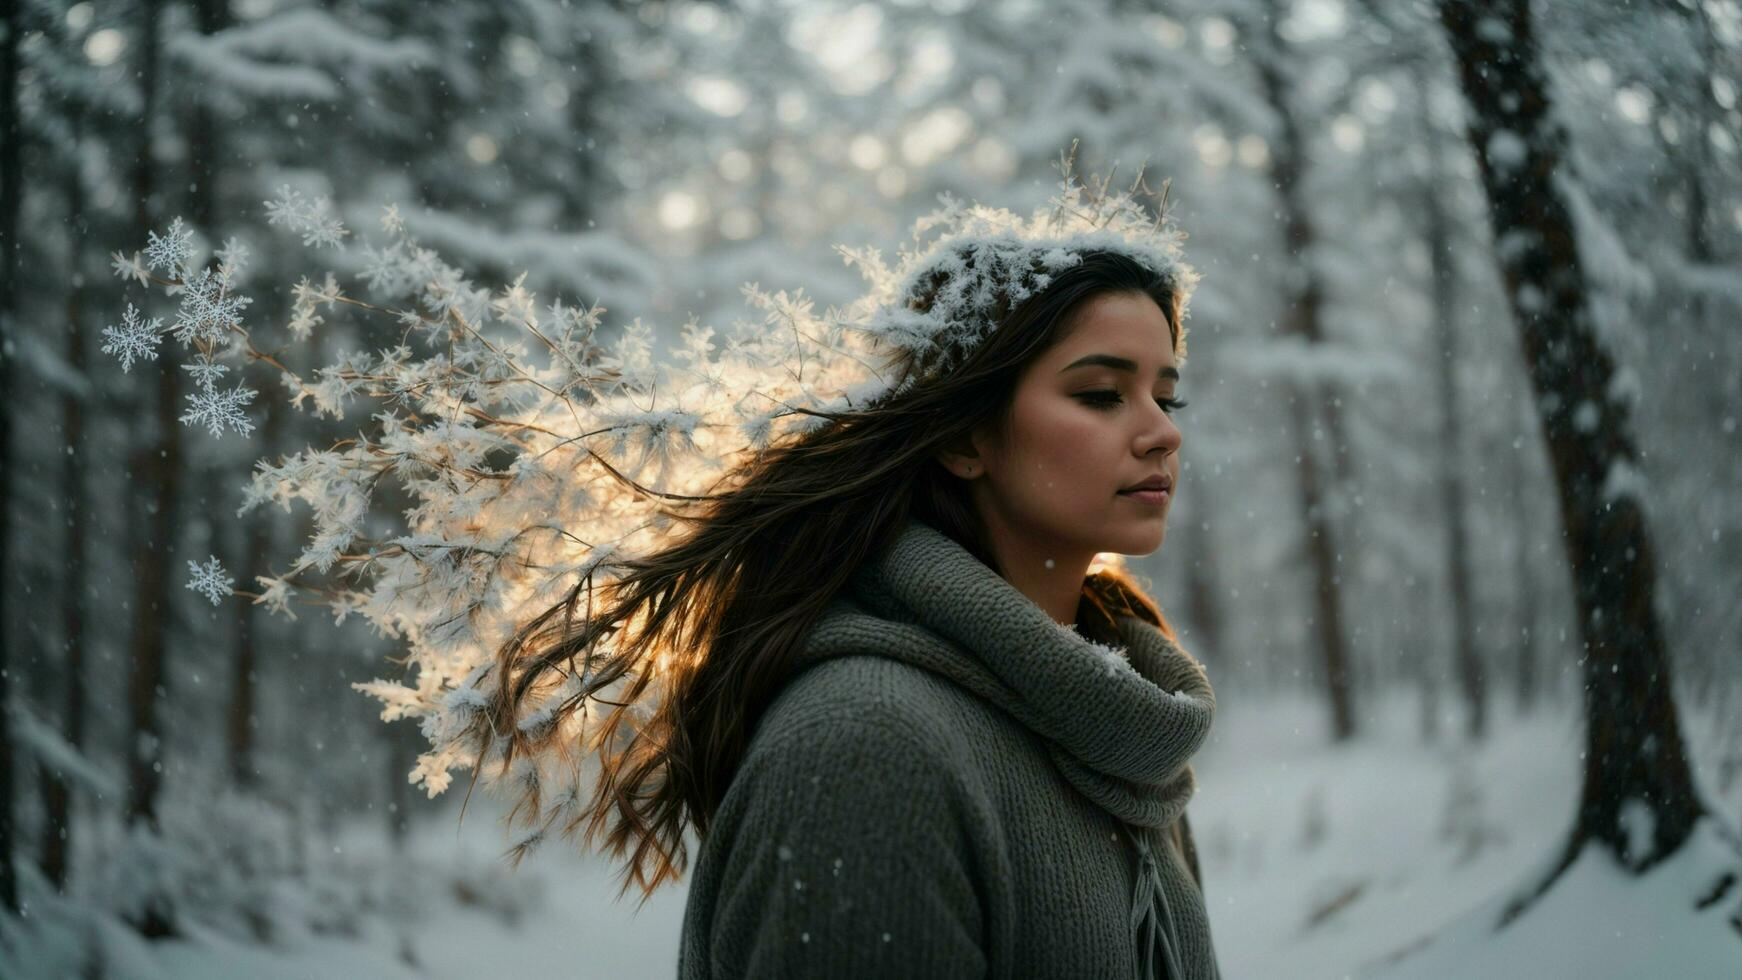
(953, 785)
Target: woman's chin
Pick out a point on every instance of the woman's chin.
(1141, 541)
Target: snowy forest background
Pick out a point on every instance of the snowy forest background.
(1459, 540)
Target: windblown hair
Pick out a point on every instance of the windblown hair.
(722, 613)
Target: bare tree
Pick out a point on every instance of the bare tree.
(1204, 582)
(11, 190)
(157, 468)
(57, 829)
(1635, 760)
(1303, 318)
(206, 149)
(1444, 279)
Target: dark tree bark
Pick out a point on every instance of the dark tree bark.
(157, 469)
(1203, 581)
(206, 149)
(587, 156)
(240, 716)
(11, 188)
(11, 192)
(401, 753)
(1444, 279)
(150, 561)
(1303, 318)
(1634, 752)
(57, 839)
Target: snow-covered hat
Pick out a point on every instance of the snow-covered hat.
(970, 264)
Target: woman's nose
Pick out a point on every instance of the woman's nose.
(1161, 432)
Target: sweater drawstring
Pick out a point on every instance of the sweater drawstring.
(1148, 931)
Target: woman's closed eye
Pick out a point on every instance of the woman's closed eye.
(1107, 398)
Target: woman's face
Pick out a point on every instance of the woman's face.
(1091, 417)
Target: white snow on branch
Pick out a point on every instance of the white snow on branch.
(1623, 479)
(55, 753)
(213, 60)
(523, 448)
(51, 367)
(1295, 361)
(1607, 262)
(130, 267)
(308, 34)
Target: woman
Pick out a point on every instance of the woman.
(920, 736)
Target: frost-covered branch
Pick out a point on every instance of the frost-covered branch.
(538, 457)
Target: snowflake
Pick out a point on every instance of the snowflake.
(303, 318)
(133, 338)
(1112, 657)
(216, 409)
(130, 267)
(207, 309)
(209, 579)
(172, 251)
(206, 373)
(232, 258)
(313, 218)
(275, 593)
(515, 304)
(391, 221)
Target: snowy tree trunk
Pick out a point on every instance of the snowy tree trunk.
(1526, 637)
(1203, 582)
(205, 150)
(11, 188)
(587, 122)
(240, 714)
(1427, 673)
(57, 838)
(1635, 762)
(1699, 240)
(1697, 110)
(1302, 318)
(401, 751)
(1452, 459)
(157, 468)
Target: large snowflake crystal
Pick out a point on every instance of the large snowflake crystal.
(135, 339)
(171, 251)
(215, 409)
(209, 579)
(208, 308)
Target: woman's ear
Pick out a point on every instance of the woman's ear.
(962, 458)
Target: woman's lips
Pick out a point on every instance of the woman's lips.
(1147, 496)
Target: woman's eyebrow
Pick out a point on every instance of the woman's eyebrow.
(1117, 364)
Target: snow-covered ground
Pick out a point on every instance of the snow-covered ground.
(1318, 863)
(1390, 858)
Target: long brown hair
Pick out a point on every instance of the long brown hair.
(717, 617)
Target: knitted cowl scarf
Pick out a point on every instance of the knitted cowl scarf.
(1121, 729)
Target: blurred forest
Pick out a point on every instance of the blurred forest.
(1462, 439)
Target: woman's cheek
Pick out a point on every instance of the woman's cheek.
(1062, 443)
(1079, 442)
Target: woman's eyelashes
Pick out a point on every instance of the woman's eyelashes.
(1108, 398)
